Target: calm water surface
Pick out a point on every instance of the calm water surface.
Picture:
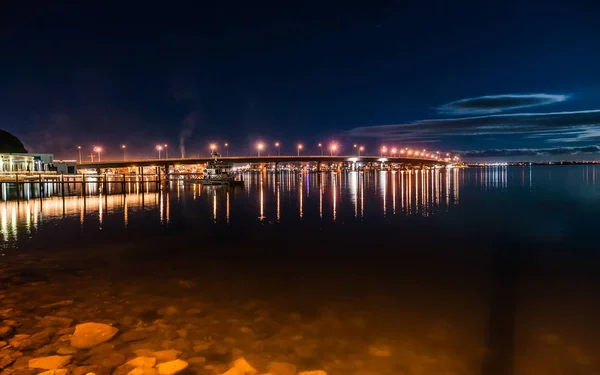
(476, 271)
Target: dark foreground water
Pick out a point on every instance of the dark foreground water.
(474, 271)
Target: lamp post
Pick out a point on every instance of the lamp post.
(394, 151)
(383, 150)
(227, 149)
(355, 147)
(166, 151)
(98, 150)
(123, 147)
(259, 147)
(299, 148)
(332, 149)
(360, 149)
(277, 145)
(79, 149)
(213, 147)
(159, 149)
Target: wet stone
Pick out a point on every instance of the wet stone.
(50, 363)
(166, 355)
(141, 362)
(171, 367)
(3, 344)
(35, 341)
(66, 350)
(22, 362)
(88, 335)
(6, 332)
(8, 357)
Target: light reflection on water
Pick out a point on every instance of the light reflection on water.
(329, 198)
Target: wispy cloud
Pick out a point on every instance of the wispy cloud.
(490, 104)
(577, 126)
(530, 152)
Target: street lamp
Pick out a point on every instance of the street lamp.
(332, 149)
(123, 147)
(356, 147)
(321, 147)
(299, 148)
(79, 149)
(361, 149)
(98, 150)
(166, 151)
(227, 149)
(277, 145)
(213, 147)
(383, 150)
(159, 149)
(394, 151)
(259, 147)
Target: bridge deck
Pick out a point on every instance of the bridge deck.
(258, 160)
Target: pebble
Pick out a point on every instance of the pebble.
(66, 350)
(196, 360)
(142, 362)
(50, 363)
(171, 367)
(166, 355)
(88, 335)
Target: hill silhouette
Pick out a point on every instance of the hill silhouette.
(10, 144)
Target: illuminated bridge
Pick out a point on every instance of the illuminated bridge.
(262, 160)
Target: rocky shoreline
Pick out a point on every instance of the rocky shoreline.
(60, 320)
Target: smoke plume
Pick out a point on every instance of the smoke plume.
(187, 128)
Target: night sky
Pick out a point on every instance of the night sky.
(517, 79)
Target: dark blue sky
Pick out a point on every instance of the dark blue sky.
(139, 75)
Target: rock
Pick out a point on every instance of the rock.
(166, 355)
(66, 331)
(55, 321)
(20, 371)
(282, 368)
(9, 357)
(6, 332)
(201, 346)
(379, 351)
(142, 362)
(135, 335)
(62, 371)
(171, 367)
(88, 335)
(26, 342)
(246, 330)
(50, 363)
(93, 369)
(143, 371)
(22, 362)
(3, 344)
(196, 361)
(315, 372)
(113, 360)
(242, 365)
(136, 371)
(58, 304)
(66, 350)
